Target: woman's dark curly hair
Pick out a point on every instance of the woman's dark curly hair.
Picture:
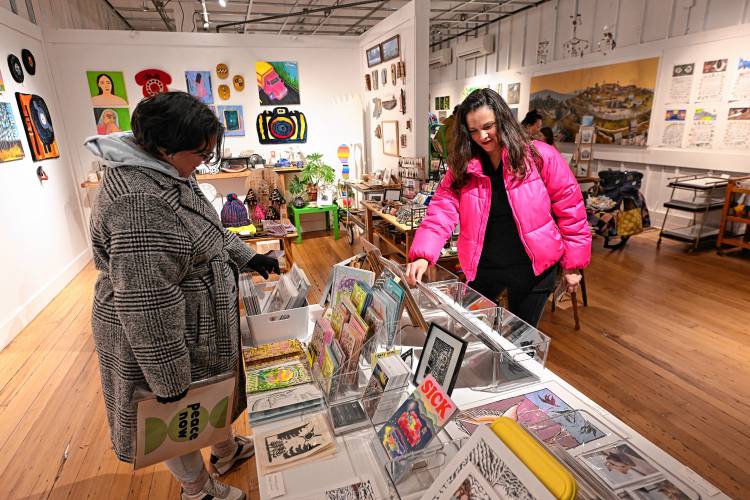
(171, 122)
(511, 135)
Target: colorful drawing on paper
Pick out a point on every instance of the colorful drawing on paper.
(618, 96)
(11, 148)
(278, 82)
(675, 115)
(199, 85)
(109, 120)
(107, 89)
(535, 410)
(37, 124)
(232, 119)
(468, 90)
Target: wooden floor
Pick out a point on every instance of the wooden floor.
(664, 345)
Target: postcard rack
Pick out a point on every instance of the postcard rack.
(601, 451)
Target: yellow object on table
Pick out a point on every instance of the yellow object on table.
(545, 467)
(248, 230)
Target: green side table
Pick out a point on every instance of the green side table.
(330, 210)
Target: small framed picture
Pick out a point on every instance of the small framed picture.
(374, 196)
(441, 357)
(586, 135)
(391, 48)
(374, 56)
(619, 465)
(584, 152)
(392, 194)
(664, 489)
(390, 138)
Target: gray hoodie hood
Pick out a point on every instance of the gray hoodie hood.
(120, 149)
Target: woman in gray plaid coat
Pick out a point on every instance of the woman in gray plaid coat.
(165, 306)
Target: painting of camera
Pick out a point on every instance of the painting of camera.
(282, 126)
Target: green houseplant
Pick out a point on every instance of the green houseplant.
(316, 174)
(296, 188)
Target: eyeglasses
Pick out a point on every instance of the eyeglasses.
(206, 156)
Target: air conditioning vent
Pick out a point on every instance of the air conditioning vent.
(476, 47)
(442, 57)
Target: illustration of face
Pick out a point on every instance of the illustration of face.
(105, 84)
(239, 82)
(109, 117)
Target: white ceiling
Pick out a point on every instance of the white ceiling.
(307, 17)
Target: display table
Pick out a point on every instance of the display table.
(286, 243)
(329, 210)
(352, 462)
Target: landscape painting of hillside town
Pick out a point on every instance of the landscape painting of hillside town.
(618, 97)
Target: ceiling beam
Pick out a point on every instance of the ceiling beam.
(159, 4)
(120, 16)
(247, 15)
(374, 9)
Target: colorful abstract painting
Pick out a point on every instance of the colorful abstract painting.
(11, 148)
(232, 119)
(199, 85)
(278, 82)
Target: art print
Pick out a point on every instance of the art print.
(361, 490)
(37, 122)
(587, 135)
(619, 465)
(441, 357)
(11, 148)
(233, 121)
(514, 93)
(278, 83)
(741, 87)
(374, 56)
(277, 377)
(294, 444)
(199, 85)
(542, 411)
(347, 414)
(110, 120)
(284, 397)
(390, 49)
(712, 80)
(471, 486)
(681, 83)
(107, 89)
(660, 490)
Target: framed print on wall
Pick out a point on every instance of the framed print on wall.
(441, 357)
(374, 56)
(391, 48)
(390, 138)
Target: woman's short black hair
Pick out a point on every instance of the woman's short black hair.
(171, 122)
(531, 118)
(549, 136)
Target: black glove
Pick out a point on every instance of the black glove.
(172, 399)
(264, 264)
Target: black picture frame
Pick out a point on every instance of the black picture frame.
(374, 56)
(433, 331)
(391, 48)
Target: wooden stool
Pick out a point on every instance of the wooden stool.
(558, 293)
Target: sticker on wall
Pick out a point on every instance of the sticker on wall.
(16, 70)
(199, 85)
(107, 88)
(281, 126)
(239, 83)
(232, 119)
(38, 126)
(222, 71)
(224, 91)
(110, 120)
(11, 148)
(153, 81)
(278, 82)
(28, 61)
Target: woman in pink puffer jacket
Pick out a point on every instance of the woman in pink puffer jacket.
(520, 211)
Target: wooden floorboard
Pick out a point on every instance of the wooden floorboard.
(664, 345)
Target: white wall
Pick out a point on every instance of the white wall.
(644, 28)
(43, 235)
(329, 85)
(411, 23)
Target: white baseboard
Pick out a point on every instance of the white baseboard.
(39, 300)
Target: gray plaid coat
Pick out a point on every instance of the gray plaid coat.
(165, 306)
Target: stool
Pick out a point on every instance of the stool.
(331, 212)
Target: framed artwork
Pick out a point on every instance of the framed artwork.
(587, 134)
(37, 123)
(199, 85)
(660, 490)
(374, 196)
(374, 56)
(278, 82)
(392, 194)
(11, 148)
(390, 137)
(109, 120)
(391, 48)
(619, 465)
(584, 152)
(514, 93)
(375, 80)
(107, 89)
(441, 357)
(232, 119)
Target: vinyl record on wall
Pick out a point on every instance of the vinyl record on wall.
(37, 123)
(28, 61)
(16, 70)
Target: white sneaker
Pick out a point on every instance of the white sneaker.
(213, 489)
(245, 449)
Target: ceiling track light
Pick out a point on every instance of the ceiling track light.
(206, 22)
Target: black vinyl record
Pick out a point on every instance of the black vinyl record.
(42, 120)
(15, 68)
(28, 61)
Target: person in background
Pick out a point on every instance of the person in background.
(549, 136)
(165, 304)
(532, 123)
(520, 210)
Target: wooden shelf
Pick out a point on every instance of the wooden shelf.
(725, 237)
(741, 220)
(216, 177)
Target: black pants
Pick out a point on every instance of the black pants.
(527, 293)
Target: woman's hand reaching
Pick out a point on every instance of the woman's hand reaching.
(415, 270)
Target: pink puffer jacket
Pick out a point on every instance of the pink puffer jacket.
(547, 206)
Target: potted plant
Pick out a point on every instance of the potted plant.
(297, 187)
(316, 174)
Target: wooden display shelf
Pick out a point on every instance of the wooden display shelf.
(725, 237)
(216, 177)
